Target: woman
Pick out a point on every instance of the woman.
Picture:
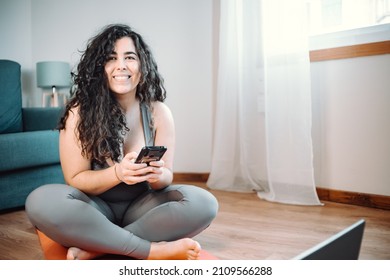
(110, 203)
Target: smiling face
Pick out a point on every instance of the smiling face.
(123, 67)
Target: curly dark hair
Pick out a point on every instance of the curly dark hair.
(102, 123)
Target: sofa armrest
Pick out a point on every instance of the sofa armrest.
(28, 149)
(46, 118)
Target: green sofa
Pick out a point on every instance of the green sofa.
(29, 155)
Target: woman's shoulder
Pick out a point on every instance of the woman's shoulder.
(161, 110)
(72, 116)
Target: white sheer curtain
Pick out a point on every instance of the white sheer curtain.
(262, 136)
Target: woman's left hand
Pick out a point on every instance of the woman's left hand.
(154, 171)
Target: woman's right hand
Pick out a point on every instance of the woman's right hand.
(130, 172)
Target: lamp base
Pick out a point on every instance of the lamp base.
(53, 99)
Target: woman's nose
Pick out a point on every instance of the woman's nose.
(120, 64)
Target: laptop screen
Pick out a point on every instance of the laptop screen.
(344, 245)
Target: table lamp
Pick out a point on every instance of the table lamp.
(53, 74)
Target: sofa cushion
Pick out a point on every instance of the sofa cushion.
(28, 149)
(11, 97)
(16, 185)
(41, 118)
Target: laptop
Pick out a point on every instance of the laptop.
(344, 245)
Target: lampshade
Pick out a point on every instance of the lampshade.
(53, 74)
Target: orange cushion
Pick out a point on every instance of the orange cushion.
(55, 251)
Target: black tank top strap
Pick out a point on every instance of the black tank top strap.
(146, 122)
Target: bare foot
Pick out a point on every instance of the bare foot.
(75, 253)
(182, 249)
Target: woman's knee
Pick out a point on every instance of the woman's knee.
(203, 202)
(45, 200)
(210, 204)
(37, 197)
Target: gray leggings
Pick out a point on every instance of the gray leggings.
(122, 221)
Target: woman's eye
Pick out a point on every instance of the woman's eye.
(112, 58)
(130, 57)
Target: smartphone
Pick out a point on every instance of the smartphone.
(150, 153)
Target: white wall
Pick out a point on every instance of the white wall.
(178, 31)
(15, 40)
(351, 124)
(351, 115)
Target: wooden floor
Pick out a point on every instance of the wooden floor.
(246, 228)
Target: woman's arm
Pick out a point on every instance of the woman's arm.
(77, 168)
(165, 136)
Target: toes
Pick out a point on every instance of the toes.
(192, 258)
(196, 247)
(71, 254)
(192, 255)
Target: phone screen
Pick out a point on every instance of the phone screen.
(150, 153)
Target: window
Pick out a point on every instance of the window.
(327, 16)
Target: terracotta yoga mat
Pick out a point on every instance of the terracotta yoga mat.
(54, 251)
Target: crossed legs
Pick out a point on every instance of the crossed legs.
(159, 225)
